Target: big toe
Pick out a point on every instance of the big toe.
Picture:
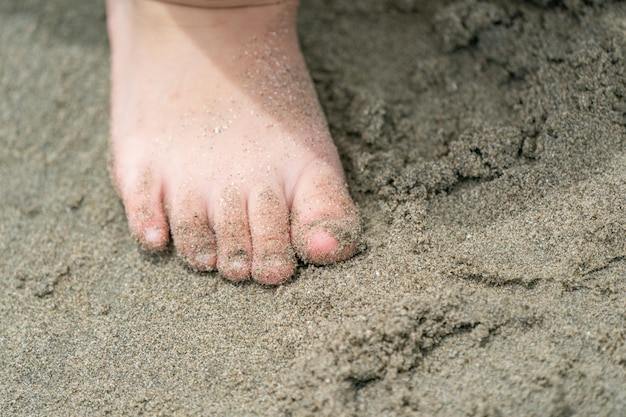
(325, 222)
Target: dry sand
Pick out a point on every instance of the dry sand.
(484, 145)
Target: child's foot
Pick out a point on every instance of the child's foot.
(218, 139)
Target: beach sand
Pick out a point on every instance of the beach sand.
(483, 143)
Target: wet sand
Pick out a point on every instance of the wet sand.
(484, 145)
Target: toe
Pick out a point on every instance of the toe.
(273, 259)
(193, 237)
(325, 223)
(232, 232)
(144, 209)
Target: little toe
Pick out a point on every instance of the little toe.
(232, 232)
(325, 223)
(144, 209)
(273, 259)
(193, 237)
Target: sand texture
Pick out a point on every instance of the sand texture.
(483, 142)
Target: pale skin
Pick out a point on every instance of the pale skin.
(218, 139)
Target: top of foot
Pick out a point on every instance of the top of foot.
(219, 141)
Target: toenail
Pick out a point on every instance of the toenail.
(272, 264)
(274, 269)
(153, 236)
(322, 241)
(238, 265)
(206, 260)
(328, 241)
(238, 260)
(274, 261)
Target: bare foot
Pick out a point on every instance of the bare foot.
(219, 141)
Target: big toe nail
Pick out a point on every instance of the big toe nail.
(328, 241)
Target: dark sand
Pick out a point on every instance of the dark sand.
(484, 145)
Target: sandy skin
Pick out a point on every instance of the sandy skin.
(219, 140)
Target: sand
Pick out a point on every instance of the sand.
(484, 145)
